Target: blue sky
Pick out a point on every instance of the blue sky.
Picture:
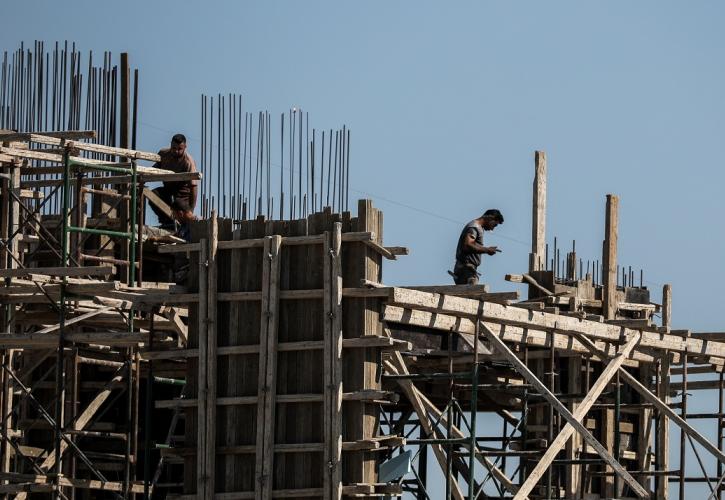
(447, 103)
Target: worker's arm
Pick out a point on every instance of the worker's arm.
(474, 247)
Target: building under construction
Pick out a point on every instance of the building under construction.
(267, 358)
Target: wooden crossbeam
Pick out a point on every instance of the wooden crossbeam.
(581, 411)
(564, 412)
(509, 315)
(49, 340)
(512, 334)
(57, 271)
(10, 136)
(94, 148)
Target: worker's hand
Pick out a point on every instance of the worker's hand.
(492, 250)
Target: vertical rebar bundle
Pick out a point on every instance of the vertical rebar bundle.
(245, 167)
(53, 89)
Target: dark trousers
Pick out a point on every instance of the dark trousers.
(465, 275)
(167, 195)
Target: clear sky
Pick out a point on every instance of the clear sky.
(447, 102)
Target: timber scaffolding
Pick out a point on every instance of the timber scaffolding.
(284, 368)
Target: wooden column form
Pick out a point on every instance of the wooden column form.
(663, 392)
(609, 258)
(538, 217)
(332, 283)
(267, 382)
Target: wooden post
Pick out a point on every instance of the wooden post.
(332, 282)
(611, 223)
(574, 445)
(538, 219)
(663, 392)
(667, 306)
(267, 384)
(211, 357)
(201, 481)
(644, 436)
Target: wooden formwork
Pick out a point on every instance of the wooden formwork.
(286, 381)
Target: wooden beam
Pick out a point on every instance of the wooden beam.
(68, 134)
(564, 412)
(332, 335)
(510, 315)
(512, 334)
(83, 419)
(161, 204)
(57, 271)
(609, 260)
(662, 488)
(266, 405)
(538, 218)
(581, 411)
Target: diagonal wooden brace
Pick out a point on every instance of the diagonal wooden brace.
(565, 413)
(561, 439)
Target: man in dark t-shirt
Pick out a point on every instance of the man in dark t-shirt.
(470, 247)
(176, 159)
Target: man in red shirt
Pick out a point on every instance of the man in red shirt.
(174, 193)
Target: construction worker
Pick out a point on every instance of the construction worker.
(470, 247)
(176, 159)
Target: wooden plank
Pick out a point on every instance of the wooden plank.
(158, 202)
(512, 334)
(171, 313)
(67, 134)
(538, 217)
(41, 340)
(564, 412)
(510, 315)
(115, 179)
(95, 148)
(75, 320)
(581, 411)
(333, 342)
(83, 419)
(609, 270)
(267, 369)
(58, 271)
(662, 487)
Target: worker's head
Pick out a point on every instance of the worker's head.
(178, 145)
(182, 211)
(491, 218)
